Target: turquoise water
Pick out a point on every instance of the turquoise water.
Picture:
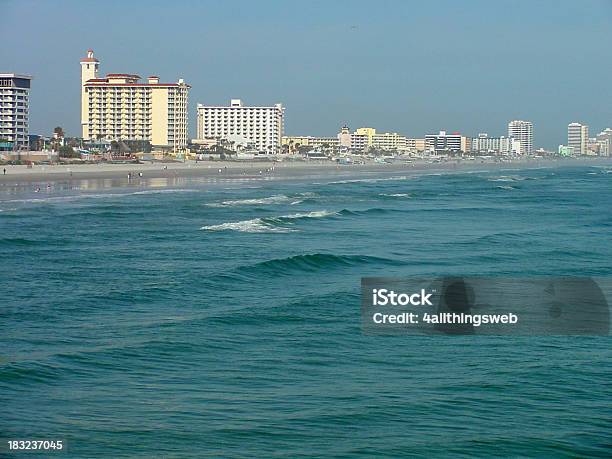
(223, 319)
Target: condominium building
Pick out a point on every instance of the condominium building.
(523, 132)
(483, 144)
(14, 110)
(366, 137)
(578, 137)
(445, 143)
(121, 107)
(389, 141)
(261, 126)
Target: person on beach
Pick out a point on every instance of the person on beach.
(5, 171)
(140, 174)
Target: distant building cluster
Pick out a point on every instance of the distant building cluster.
(579, 142)
(121, 112)
(366, 139)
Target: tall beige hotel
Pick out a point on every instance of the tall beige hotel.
(120, 107)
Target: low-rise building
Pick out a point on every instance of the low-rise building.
(294, 142)
(415, 145)
(564, 150)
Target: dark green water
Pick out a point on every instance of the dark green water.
(223, 319)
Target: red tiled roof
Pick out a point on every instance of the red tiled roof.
(89, 59)
(104, 82)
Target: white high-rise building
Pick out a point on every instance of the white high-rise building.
(14, 110)
(523, 132)
(262, 127)
(578, 137)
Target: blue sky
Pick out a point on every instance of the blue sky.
(411, 67)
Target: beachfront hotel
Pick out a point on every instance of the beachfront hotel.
(260, 126)
(523, 132)
(446, 143)
(365, 138)
(121, 107)
(14, 111)
(483, 144)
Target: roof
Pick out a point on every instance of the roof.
(16, 75)
(105, 82)
(128, 75)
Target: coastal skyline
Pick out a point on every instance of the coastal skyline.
(420, 73)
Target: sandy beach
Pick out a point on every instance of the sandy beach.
(117, 174)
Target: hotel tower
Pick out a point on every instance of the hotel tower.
(120, 107)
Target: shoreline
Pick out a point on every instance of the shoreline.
(118, 173)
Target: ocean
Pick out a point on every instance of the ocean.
(222, 319)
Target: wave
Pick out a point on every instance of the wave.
(268, 224)
(507, 178)
(256, 225)
(283, 223)
(395, 195)
(275, 199)
(311, 263)
(366, 180)
(506, 187)
(372, 211)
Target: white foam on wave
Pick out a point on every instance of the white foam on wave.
(506, 187)
(313, 214)
(256, 225)
(280, 224)
(366, 180)
(274, 199)
(507, 178)
(395, 195)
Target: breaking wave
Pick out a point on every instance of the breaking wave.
(268, 224)
(275, 199)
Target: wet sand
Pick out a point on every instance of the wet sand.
(44, 174)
